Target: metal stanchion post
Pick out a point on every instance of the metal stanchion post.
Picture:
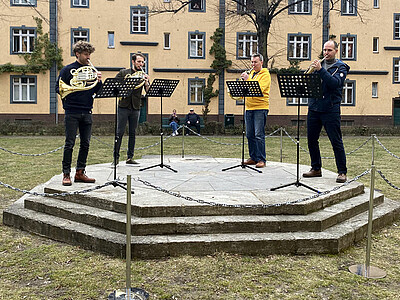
(128, 236)
(183, 141)
(128, 293)
(367, 270)
(281, 143)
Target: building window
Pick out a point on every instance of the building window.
(294, 101)
(139, 19)
(196, 44)
(79, 34)
(196, 90)
(396, 31)
(297, 7)
(396, 70)
(349, 7)
(247, 45)
(375, 45)
(374, 90)
(79, 3)
(347, 123)
(299, 46)
(23, 89)
(23, 2)
(348, 46)
(376, 3)
(197, 5)
(245, 5)
(167, 41)
(111, 39)
(23, 40)
(348, 93)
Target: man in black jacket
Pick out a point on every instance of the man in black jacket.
(78, 111)
(193, 119)
(129, 108)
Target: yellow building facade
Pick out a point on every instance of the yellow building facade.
(177, 44)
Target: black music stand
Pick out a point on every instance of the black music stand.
(161, 88)
(244, 89)
(117, 87)
(299, 86)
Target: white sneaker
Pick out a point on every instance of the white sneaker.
(176, 132)
(173, 134)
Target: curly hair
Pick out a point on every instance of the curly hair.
(82, 46)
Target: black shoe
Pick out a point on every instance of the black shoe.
(130, 161)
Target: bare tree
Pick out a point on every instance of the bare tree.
(260, 13)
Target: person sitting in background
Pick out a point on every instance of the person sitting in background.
(193, 119)
(174, 122)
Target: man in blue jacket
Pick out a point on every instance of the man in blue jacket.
(325, 112)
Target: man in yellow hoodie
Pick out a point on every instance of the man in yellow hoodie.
(256, 112)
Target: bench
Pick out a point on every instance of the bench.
(165, 123)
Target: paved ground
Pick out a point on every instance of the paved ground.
(202, 178)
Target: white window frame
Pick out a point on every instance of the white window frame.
(349, 7)
(374, 89)
(396, 26)
(79, 3)
(299, 43)
(348, 90)
(167, 40)
(111, 39)
(396, 70)
(202, 7)
(375, 44)
(294, 101)
(25, 91)
(24, 2)
(196, 44)
(242, 5)
(247, 44)
(196, 90)
(79, 34)
(348, 44)
(139, 19)
(303, 7)
(376, 3)
(23, 42)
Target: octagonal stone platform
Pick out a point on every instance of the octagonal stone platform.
(201, 209)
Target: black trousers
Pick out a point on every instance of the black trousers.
(331, 123)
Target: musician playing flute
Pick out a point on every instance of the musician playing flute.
(129, 108)
(78, 112)
(325, 112)
(256, 112)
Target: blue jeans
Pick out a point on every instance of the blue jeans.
(331, 123)
(130, 116)
(72, 123)
(255, 133)
(174, 126)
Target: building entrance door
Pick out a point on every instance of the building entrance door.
(396, 111)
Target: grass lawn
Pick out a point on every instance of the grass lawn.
(32, 267)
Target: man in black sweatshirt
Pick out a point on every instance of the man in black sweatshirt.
(78, 109)
(193, 119)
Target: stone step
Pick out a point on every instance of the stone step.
(114, 199)
(114, 221)
(332, 240)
